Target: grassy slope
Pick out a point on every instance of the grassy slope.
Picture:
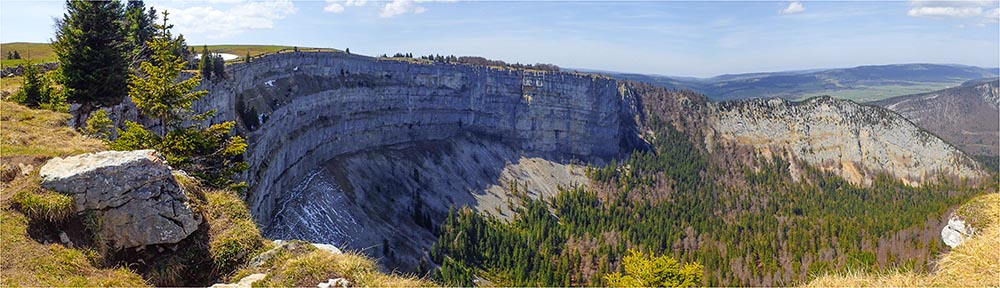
(30, 215)
(36, 52)
(974, 263)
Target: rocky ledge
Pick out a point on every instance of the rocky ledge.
(133, 193)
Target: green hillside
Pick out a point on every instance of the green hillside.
(42, 52)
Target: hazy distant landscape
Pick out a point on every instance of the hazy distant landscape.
(499, 144)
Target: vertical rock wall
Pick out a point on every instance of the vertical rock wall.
(299, 110)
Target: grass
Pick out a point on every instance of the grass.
(873, 93)
(974, 263)
(26, 132)
(35, 52)
(233, 236)
(303, 265)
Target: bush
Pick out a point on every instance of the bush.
(210, 154)
(100, 126)
(642, 270)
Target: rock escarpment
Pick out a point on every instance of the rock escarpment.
(133, 193)
(854, 141)
(300, 110)
(966, 116)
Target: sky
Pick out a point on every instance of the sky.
(678, 38)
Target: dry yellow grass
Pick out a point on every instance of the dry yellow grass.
(975, 263)
(26, 132)
(297, 268)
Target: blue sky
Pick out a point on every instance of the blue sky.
(683, 38)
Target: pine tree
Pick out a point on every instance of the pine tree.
(247, 59)
(91, 47)
(17, 55)
(35, 90)
(139, 29)
(211, 153)
(157, 94)
(218, 67)
(204, 65)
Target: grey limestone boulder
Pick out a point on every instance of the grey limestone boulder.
(133, 193)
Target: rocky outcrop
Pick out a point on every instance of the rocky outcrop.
(966, 116)
(852, 140)
(133, 193)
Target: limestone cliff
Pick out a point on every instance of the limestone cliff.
(854, 141)
(300, 110)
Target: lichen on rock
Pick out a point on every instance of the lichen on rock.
(133, 193)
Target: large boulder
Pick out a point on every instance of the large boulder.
(133, 193)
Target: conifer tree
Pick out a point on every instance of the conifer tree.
(157, 94)
(139, 29)
(218, 67)
(205, 64)
(35, 90)
(91, 47)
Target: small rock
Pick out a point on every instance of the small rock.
(246, 282)
(338, 282)
(63, 237)
(956, 232)
(327, 247)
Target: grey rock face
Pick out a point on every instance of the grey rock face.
(133, 193)
(852, 140)
(299, 110)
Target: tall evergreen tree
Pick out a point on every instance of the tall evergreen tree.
(157, 94)
(91, 47)
(218, 67)
(139, 30)
(205, 64)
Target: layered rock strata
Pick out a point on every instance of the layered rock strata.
(854, 141)
(300, 110)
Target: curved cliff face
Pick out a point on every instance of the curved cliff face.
(300, 110)
(852, 140)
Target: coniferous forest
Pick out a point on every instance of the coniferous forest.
(747, 221)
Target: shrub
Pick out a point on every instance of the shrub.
(642, 270)
(100, 126)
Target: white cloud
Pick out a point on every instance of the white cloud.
(236, 17)
(953, 9)
(993, 16)
(337, 6)
(390, 9)
(794, 7)
(945, 12)
(399, 7)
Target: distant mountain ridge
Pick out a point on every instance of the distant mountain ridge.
(966, 116)
(862, 83)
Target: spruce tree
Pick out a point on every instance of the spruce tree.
(157, 94)
(17, 55)
(218, 67)
(139, 29)
(205, 64)
(34, 91)
(91, 47)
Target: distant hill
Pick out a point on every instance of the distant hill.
(863, 83)
(966, 116)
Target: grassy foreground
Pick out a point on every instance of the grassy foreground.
(975, 263)
(32, 219)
